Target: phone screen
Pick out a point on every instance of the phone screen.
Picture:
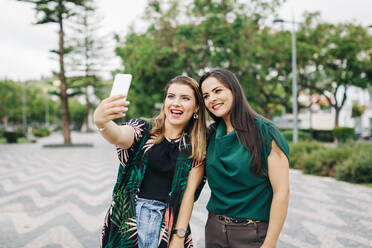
(121, 85)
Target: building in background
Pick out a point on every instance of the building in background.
(318, 115)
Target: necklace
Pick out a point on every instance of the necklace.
(174, 139)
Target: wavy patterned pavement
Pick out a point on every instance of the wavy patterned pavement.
(57, 197)
(323, 213)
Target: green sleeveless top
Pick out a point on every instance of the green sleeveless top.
(235, 190)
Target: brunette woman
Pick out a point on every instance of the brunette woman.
(247, 169)
(160, 169)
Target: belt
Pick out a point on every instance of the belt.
(229, 220)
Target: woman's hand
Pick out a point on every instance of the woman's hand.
(177, 242)
(109, 109)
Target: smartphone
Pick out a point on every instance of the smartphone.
(121, 85)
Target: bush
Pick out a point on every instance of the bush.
(299, 151)
(12, 137)
(288, 135)
(41, 132)
(343, 133)
(323, 135)
(307, 134)
(358, 167)
(323, 161)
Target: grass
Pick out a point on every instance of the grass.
(367, 184)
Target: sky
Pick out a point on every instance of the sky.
(24, 47)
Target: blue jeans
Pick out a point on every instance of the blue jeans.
(149, 215)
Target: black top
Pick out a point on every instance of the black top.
(157, 181)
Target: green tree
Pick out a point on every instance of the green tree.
(77, 114)
(88, 56)
(11, 103)
(189, 39)
(236, 38)
(333, 58)
(57, 11)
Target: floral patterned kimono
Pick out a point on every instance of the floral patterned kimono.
(120, 228)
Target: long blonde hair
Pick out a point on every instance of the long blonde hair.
(196, 128)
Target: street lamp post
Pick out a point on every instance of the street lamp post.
(294, 78)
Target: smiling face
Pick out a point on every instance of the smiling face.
(179, 104)
(217, 97)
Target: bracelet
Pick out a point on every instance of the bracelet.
(101, 129)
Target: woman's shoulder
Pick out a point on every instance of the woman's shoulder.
(213, 126)
(212, 129)
(140, 126)
(139, 123)
(265, 124)
(269, 132)
(268, 129)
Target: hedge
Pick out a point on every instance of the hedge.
(41, 132)
(358, 167)
(300, 150)
(343, 134)
(351, 161)
(307, 134)
(323, 161)
(12, 137)
(288, 135)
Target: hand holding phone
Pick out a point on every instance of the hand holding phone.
(121, 85)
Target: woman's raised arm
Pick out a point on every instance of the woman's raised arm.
(109, 109)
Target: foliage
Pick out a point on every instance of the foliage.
(357, 110)
(300, 150)
(41, 132)
(357, 168)
(36, 104)
(350, 161)
(323, 135)
(343, 133)
(57, 11)
(323, 161)
(333, 57)
(12, 137)
(310, 134)
(302, 135)
(10, 95)
(77, 114)
(88, 56)
(222, 33)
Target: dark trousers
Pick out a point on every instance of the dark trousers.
(219, 234)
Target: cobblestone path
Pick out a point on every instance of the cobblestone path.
(57, 197)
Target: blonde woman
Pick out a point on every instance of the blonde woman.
(161, 170)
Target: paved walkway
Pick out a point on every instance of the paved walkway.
(57, 197)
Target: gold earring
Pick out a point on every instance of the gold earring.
(196, 116)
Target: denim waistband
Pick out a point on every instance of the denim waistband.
(149, 202)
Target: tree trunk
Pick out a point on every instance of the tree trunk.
(5, 122)
(337, 116)
(63, 87)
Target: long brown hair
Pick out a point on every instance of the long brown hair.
(196, 128)
(242, 117)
